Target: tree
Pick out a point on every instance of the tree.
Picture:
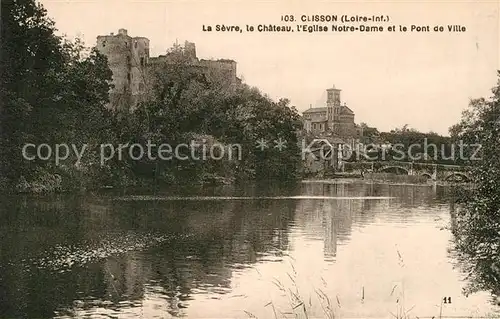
(51, 93)
(478, 217)
(190, 104)
(427, 146)
(370, 134)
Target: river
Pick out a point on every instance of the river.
(344, 249)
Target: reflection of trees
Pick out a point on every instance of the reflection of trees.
(29, 227)
(221, 235)
(208, 240)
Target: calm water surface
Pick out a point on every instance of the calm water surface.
(352, 248)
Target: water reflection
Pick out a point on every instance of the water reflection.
(71, 256)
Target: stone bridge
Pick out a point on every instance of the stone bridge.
(326, 154)
(429, 170)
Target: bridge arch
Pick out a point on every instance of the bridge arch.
(460, 174)
(396, 168)
(429, 176)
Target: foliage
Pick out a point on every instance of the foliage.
(477, 225)
(190, 106)
(55, 91)
(370, 134)
(427, 147)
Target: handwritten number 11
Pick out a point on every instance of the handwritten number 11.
(447, 300)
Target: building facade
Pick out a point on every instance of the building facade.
(336, 119)
(134, 70)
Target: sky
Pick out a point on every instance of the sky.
(389, 79)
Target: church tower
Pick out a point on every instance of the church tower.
(333, 107)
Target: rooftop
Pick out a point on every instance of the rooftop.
(315, 110)
(346, 110)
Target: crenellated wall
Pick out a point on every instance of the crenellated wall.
(134, 71)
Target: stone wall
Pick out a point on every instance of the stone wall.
(134, 71)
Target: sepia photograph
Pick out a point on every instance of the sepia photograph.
(249, 159)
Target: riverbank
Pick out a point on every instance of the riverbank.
(54, 184)
(387, 178)
(62, 182)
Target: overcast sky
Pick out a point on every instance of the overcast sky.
(388, 79)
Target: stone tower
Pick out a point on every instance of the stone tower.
(127, 59)
(190, 49)
(333, 106)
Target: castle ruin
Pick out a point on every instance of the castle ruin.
(134, 70)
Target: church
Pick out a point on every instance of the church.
(336, 119)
